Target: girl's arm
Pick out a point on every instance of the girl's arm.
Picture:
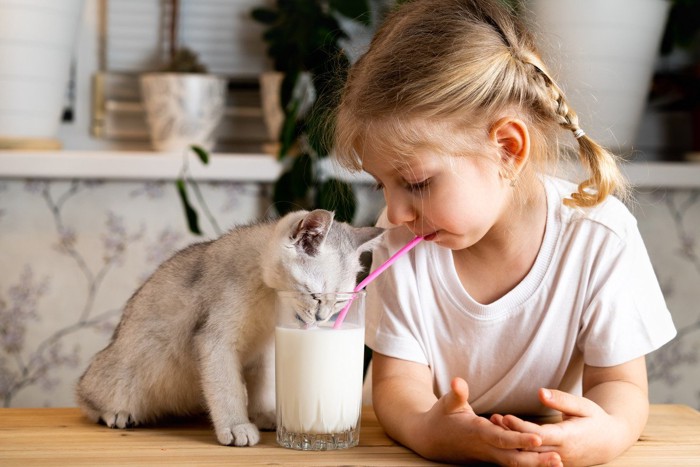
(622, 392)
(599, 426)
(445, 429)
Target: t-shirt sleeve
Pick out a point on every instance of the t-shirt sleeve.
(627, 315)
(392, 325)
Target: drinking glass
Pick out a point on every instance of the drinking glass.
(319, 370)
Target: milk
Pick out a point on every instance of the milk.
(319, 378)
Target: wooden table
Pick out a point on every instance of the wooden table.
(63, 437)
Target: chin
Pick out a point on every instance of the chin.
(452, 242)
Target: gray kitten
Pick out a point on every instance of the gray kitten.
(199, 333)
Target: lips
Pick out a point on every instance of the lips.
(430, 236)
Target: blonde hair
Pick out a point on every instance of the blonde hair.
(453, 59)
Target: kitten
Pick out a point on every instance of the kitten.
(199, 333)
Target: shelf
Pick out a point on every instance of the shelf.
(263, 168)
(126, 165)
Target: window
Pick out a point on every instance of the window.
(134, 39)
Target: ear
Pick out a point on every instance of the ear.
(512, 138)
(366, 238)
(308, 235)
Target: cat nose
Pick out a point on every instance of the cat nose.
(323, 313)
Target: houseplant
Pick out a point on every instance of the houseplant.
(304, 40)
(37, 41)
(184, 104)
(603, 56)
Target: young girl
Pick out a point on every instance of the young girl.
(530, 296)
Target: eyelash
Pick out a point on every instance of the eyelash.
(412, 187)
(418, 186)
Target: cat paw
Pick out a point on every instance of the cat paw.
(119, 419)
(245, 434)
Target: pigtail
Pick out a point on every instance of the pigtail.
(605, 178)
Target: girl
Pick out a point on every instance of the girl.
(531, 296)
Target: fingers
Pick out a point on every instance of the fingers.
(457, 400)
(551, 434)
(566, 403)
(497, 419)
(549, 459)
(460, 388)
(503, 438)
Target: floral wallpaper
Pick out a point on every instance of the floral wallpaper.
(73, 251)
(72, 254)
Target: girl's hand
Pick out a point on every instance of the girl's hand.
(582, 435)
(598, 427)
(455, 433)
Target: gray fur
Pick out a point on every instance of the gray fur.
(198, 335)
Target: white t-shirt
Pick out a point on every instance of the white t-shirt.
(591, 297)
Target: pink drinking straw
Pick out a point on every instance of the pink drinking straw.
(373, 275)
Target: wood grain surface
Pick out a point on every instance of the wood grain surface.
(64, 437)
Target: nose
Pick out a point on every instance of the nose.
(399, 210)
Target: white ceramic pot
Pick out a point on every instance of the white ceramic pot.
(602, 52)
(37, 39)
(183, 109)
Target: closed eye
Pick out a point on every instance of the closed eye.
(418, 186)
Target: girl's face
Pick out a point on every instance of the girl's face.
(453, 200)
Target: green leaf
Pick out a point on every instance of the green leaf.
(288, 134)
(289, 82)
(317, 131)
(190, 213)
(202, 153)
(283, 196)
(336, 195)
(264, 15)
(302, 173)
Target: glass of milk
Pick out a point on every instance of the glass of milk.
(319, 370)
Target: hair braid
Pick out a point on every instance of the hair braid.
(605, 176)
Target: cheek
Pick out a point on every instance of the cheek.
(470, 212)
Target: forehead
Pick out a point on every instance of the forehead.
(402, 143)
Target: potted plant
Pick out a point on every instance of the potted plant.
(304, 40)
(37, 40)
(603, 56)
(184, 104)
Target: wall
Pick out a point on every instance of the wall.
(72, 254)
(73, 251)
(669, 221)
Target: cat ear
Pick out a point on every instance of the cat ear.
(311, 231)
(366, 238)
